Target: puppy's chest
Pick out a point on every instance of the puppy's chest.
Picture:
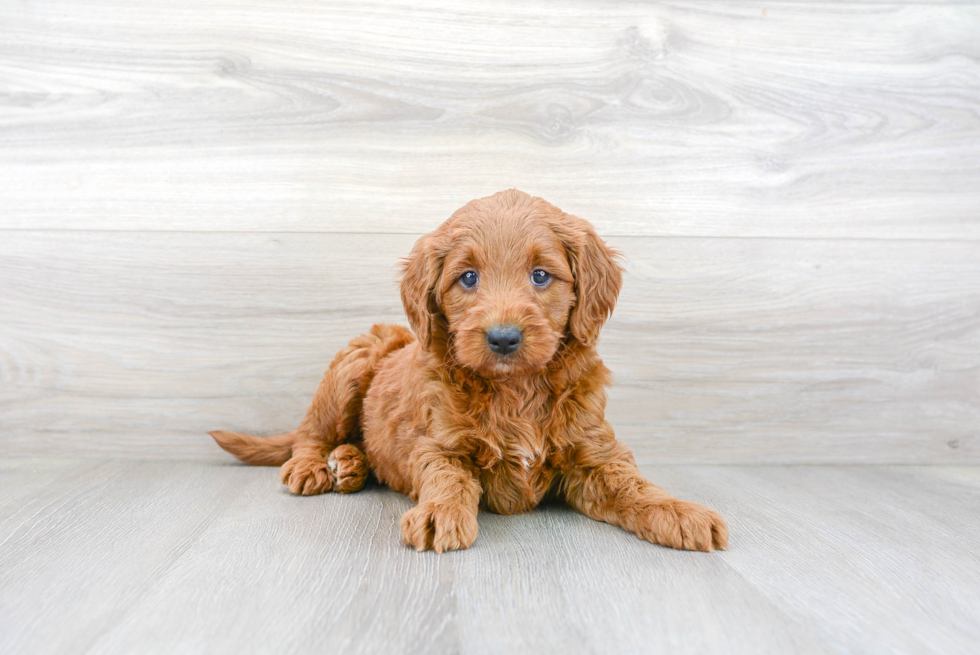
(516, 468)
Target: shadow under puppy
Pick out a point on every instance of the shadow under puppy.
(496, 399)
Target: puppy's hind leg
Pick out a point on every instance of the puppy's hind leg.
(334, 416)
(348, 468)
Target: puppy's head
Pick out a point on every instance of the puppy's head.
(505, 281)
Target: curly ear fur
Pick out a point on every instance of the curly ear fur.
(422, 270)
(598, 277)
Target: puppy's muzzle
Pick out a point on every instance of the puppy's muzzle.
(504, 339)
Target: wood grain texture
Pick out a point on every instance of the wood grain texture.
(850, 550)
(687, 118)
(135, 344)
(164, 557)
(201, 201)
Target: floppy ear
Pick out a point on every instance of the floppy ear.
(422, 270)
(598, 277)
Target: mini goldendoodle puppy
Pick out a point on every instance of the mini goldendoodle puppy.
(498, 397)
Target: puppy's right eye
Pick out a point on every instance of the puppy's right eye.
(469, 279)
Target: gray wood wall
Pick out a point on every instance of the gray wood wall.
(200, 201)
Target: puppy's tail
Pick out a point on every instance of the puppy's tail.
(261, 451)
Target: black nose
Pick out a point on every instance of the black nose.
(504, 339)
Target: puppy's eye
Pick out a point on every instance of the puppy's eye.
(469, 279)
(540, 278)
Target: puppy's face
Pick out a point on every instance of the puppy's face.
(506, 293)
(500, 285)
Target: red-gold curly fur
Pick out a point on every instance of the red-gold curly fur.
(446, 420)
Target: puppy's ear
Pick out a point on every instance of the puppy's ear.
(421, 272)
(598, 277)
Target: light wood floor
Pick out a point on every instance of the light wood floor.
(116, 556)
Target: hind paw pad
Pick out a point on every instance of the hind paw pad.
(348, 468)
(306, 476)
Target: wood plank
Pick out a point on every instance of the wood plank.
(707, 119)
(286, 574)
(194, 557)
(572, 578)
(858, 553)
(94, 561)
(24, 480)
(961, 480)
(84, 549)
(135, 344)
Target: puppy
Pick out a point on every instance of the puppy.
(496, 400)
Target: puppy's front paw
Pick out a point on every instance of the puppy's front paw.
(439, 526)
(306, 475)
(682, 524)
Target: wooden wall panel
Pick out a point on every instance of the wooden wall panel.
(744, 350)
(686, 118)
(201, 201)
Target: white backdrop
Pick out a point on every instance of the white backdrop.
(201, 201)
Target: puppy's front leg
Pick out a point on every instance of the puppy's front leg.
(448, 496)
(607, 486)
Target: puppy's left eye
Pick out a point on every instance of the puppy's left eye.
(540, 278)
(469, 279)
